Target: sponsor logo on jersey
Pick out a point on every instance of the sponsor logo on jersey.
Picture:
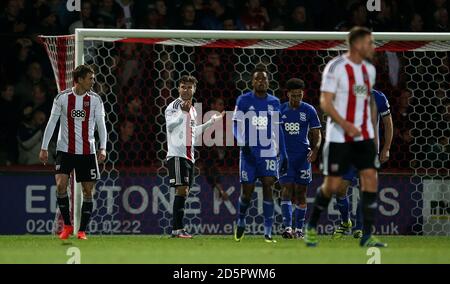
(251, 108)
(360, 90)
(78, 113)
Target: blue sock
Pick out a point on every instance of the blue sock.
(358, 221)
(300, 214)
(242, 209)
(286, 210)
(343, 206)
(268, 209)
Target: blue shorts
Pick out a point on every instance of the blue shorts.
(299, 170)
(351, 175)
(251, 168)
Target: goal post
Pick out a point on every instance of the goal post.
(138, 61)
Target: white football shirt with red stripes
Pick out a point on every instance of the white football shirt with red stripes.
(78, 115)
(182, 130)
(351, 83)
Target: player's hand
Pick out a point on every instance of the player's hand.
(217, 117)
(384, 155)
(43, 156)
(312, 156)
(186, 106)
(101, 155)
(351, 129)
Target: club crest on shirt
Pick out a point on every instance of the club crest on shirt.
(86, 104)
(303, 116)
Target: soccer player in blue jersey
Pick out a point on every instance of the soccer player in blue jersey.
(298, 120)
(256, 126)
(349, 178)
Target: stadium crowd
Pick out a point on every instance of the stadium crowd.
(28, 87)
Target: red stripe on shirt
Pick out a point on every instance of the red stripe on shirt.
(364, 131)
(71, 123)
(85, 125)
(351, 102)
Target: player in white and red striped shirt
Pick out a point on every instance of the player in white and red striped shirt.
(347, 99)
(182, 130)
(79, 111)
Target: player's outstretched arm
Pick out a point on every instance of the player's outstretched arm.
(326, 104)
(199, 129)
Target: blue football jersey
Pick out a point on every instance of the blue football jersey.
(383, 108)
(296, 125)
(260, 118)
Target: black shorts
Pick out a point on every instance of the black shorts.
(181, 172)
(85, 166)
(338, 157)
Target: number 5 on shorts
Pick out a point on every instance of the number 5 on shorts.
(93, 174)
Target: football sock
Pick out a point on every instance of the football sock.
(86, 211)
(286, 210)
(368, 207)
(63, 204)
(268, 208)
(300, 214)
(320, 204)
(178, 212)
(242, 211)
(343, 206)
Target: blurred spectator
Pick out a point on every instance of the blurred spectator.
(385, 19)
(153, 19)
(415, 23)
(188, 19)
(441, 20)
(9, 119)
(30, 136)
(279, 11)
(12, 19)
(110, 15)
(357, 17)
(255, 16)
(229, 24)
(39, 101)
(130, 148)
(218, 14)
(86, 18)
(24, 88)
(298, 20)
(127, 20)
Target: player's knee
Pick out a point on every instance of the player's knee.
(61, 187)
(286, 193)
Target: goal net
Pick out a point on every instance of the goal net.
(137, 73)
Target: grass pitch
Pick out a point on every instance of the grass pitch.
(218, 249)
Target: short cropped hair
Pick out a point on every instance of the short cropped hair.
(81, 72)
(188, 79)
(294, 84)
(259, 68)
(357, 33)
